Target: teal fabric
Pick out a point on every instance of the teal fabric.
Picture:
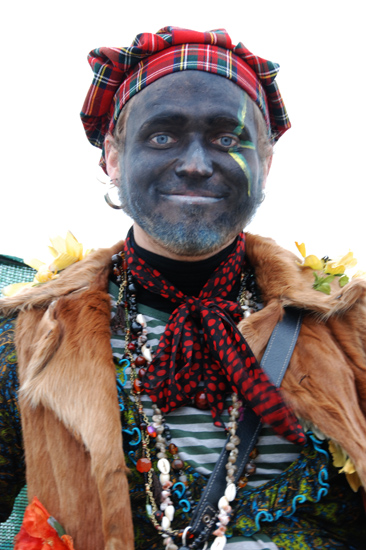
(11, 527)
(14, 270)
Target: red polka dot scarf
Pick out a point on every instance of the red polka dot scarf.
(202, 343)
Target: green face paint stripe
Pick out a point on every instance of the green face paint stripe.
(247, 145)
(241, 116)
(245, 167)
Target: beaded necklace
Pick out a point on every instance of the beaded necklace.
(160, 507)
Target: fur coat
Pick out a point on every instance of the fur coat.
(68, 397)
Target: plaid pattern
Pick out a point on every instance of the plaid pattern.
(120, 73)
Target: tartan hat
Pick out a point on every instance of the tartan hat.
(120, 73)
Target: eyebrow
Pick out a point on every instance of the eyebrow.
(223, 120)
(166, 118)
(174, 118)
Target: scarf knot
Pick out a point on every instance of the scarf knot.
(202, 345)
(194, 306)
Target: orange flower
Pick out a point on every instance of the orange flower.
(37, 532)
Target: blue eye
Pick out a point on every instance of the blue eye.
(226, 141)
(162, 139)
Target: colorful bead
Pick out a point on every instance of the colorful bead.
(140, 361)
(142, 373)
(254, 453)
(201, 401)
(143, 465)
(137, 386)
(177, 464)
(250, 468)
(243, 481)
(151, 431)
(173, 449)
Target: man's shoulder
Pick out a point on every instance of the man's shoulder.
(90, 273)
(281, 276)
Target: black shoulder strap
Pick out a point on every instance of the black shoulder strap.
(274, 362)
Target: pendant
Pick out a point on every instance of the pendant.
(201, 401)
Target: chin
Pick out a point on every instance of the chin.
(192, 234)
(190, 239)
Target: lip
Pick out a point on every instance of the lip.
(192, 199)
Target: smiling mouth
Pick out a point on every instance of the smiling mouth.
(192, 198)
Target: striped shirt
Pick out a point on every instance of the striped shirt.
(198, 440)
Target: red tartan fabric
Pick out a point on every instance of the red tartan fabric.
(223, 360)
(120, 73)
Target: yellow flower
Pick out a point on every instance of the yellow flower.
(354, 481)
(313, 262)
(301, 248)
(339, 266)
(44, 274)
(359, 275)
(341, 460)
(338, 454)
(65, 252)
(13, 289)
(309, 261)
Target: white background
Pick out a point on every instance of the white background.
(49, 173)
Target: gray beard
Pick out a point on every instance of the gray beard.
(192, 236)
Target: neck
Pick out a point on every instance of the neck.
(146, 241)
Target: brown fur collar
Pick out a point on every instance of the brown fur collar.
(277, 273)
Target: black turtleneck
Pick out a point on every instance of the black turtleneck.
(189, 277)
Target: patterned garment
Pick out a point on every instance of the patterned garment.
(296, 509)
(12, 470)
(308, 507)
(199, 441)
(222, 358)
(120, 73)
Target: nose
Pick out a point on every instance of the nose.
(195, 161)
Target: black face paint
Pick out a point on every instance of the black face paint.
(182, 176)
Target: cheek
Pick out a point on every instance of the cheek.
(247, 169)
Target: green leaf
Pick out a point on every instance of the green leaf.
(328, 279)
(322, 283)
(324, 287)
(343, 281)
(57, 527)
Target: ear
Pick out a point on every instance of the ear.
(266, 169)
(111, 158)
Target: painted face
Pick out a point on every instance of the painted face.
(190, 175)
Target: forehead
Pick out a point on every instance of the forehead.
(192, 95)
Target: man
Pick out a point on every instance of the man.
(186, 123)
